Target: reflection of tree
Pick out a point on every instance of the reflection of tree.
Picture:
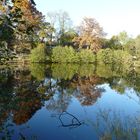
(63, 71)
(19, 100)
(83, 88)
(18, 96)
(8, 130)
(133, 80)
(59, 102)
(28, 102)
(61, 96)
(67, 71)
(23, 94)
(38, 71)
(122, 82)
(87, 92)
(119, 78)
(118, 84)
(6, 94)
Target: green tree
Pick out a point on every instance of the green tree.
(60, 20)
(130, 47)
(64, 23)
(8, 22)
(137, 46)
(38, 54)
(46, 33)
(113, 43)
(67, 37)
(123, 38)
(120, 42)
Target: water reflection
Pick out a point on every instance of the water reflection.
(84, 97)
(111, 125)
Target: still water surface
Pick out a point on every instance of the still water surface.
(69, 102)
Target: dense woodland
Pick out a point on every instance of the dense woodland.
(25, 33)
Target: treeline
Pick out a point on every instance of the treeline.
(24, 30)
(85, 43)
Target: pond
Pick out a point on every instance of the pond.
(69, 102)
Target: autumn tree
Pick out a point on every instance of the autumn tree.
(90, 34)
(6, 27)
(28, 27)
(30, 15)
(20, 17)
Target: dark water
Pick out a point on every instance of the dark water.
(69, 102)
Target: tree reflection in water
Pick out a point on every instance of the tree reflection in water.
(24, 90)
(18, 101)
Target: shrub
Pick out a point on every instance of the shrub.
(109, 56)
(38, 54)
(86, 56)
(121, 57)
(63, 54)
(105, 56)
(69, 55)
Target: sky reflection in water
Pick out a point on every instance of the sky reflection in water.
(69, 102)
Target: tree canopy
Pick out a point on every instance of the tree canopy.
(89, 34)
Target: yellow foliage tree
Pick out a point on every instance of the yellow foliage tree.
(90, 34)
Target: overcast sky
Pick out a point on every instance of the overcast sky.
(113, 15)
